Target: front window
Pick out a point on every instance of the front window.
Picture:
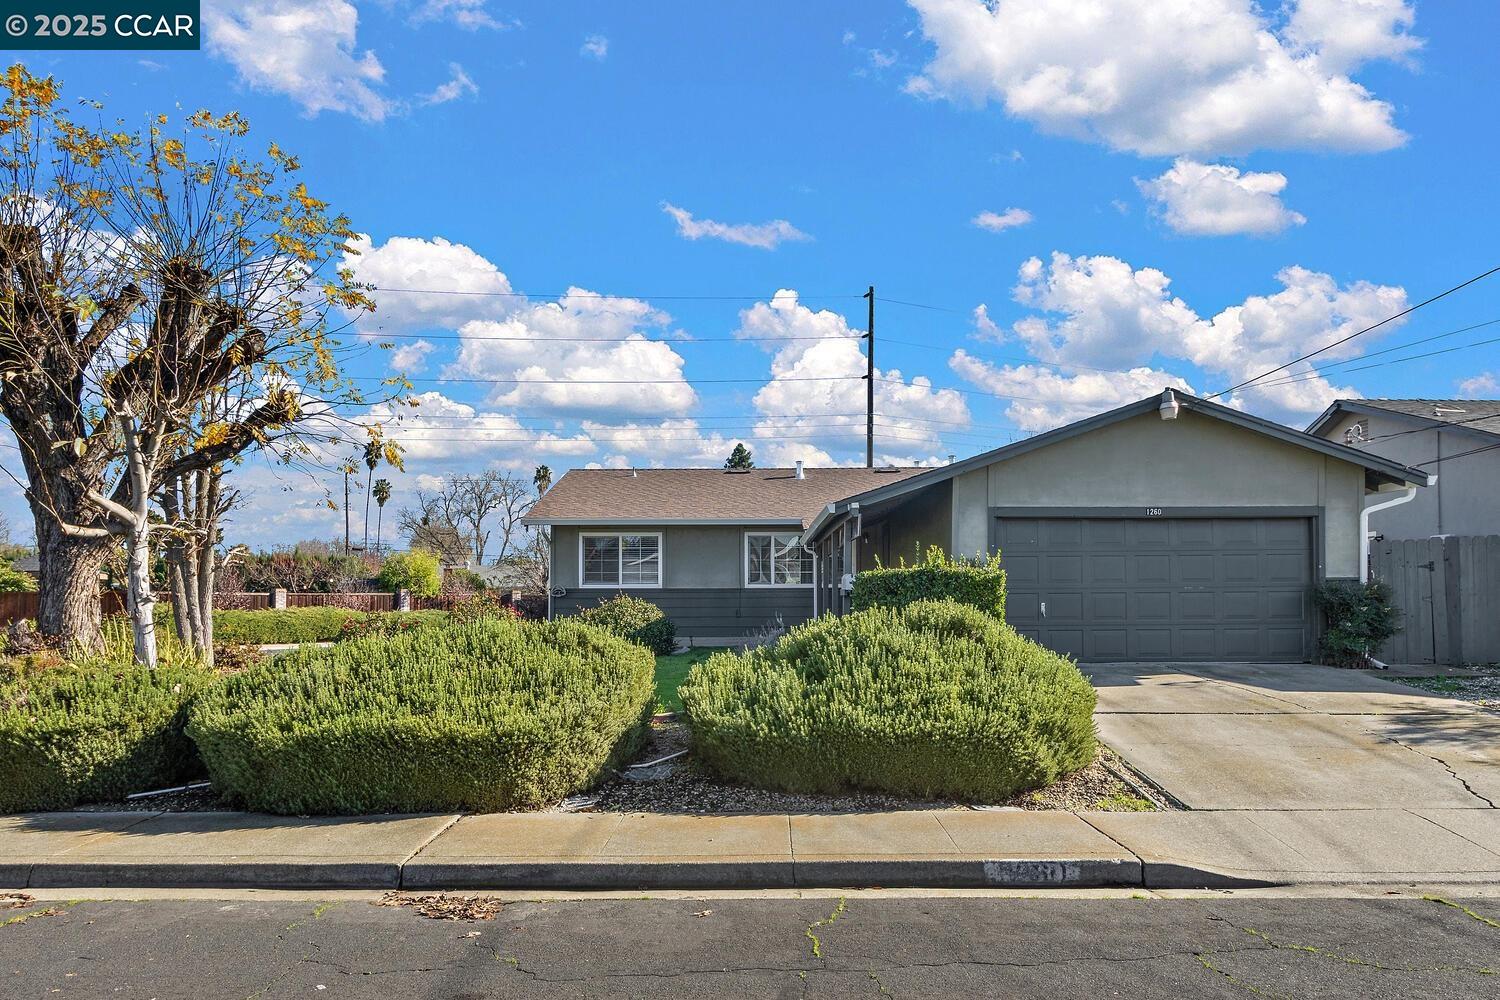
(777, 560)
(620, 560)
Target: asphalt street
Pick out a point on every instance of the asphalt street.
(862, 945)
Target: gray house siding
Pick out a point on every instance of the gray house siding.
(702, 587)
(1466, 498)
(1195, 461)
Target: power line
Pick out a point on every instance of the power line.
(1359, 333)
(556, 296)
(543, 341)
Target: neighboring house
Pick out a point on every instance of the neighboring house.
(1458, 440)
(1169, 529)
(717, 549)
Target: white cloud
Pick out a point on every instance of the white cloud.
(443, 429)
(809, 419)
(1212, 199)
(1482, 386)
(764, 235)
(1046, 398)
(465, 284)
(471, 15)
(594, 47)
(411, 359)
(998, 222)
(459, 85)
(881, 59)
(585, 353)
(305, 49)
(1168, 77)
(1345, 33)
(1106, 314)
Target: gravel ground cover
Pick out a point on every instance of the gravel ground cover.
(1483, 688)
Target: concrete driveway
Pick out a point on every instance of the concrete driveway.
(1293, 736)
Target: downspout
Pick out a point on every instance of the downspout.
(551, 580)
(1364, 525)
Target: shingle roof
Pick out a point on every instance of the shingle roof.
(1478, 414)
(606, 496)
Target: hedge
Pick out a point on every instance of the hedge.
(1360, 618)
(979, 583)
(388, 623)
(92, 733)
(935, 699)
(489, 715)
(635, 619)
(289, 625)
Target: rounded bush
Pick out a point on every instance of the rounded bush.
(93, 733)
(934, 699)
(490, 715)
(634, 619)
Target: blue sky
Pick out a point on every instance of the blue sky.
(1084, 208)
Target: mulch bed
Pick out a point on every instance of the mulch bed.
(681, 786)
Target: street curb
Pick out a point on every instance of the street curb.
(215, 875)
(583, 874)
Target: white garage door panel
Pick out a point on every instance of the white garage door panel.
(1161, 588)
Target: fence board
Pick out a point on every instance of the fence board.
(1448, 592)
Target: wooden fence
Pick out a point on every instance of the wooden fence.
(14, 607)
(1448, 590)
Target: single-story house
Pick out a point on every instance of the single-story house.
(1172, 528)
(1457, 439)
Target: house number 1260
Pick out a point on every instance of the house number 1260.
(1153, 512)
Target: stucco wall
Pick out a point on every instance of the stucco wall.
(1466, 498)
(1193, 461)
(918, 523)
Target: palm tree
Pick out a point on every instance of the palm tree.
(372, 459)
(542, 479)
(382, 492)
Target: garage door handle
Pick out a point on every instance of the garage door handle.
(1044, 609)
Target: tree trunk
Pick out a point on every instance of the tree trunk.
(379, 515)
(68, 583)
(140, 603)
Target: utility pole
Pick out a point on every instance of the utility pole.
(346, 508)
(870, 383)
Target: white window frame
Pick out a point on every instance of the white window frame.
(621, 536)
(745, 562)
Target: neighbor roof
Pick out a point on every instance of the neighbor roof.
(1482, 415)
(665, 496)
(1381, 470)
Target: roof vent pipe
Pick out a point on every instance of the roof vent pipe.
(1169, 405)
(801, 473)
(634, 474)
(951, 459)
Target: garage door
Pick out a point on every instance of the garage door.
(1161, 588)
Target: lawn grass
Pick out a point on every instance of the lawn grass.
(673, 670)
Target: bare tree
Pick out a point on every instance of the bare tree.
(473, 509)
(165, 306)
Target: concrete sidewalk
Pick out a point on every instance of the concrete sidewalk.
(952, 848)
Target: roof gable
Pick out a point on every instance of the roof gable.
(1382, 469)
(1482, 416)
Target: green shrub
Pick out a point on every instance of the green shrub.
(975, 582)
(94, 732)
(934, 699)
(635, 619)
(13, 581)
(495, 714)
(416, 571)
(389, 623)
(290, 625)
(1358, 617)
